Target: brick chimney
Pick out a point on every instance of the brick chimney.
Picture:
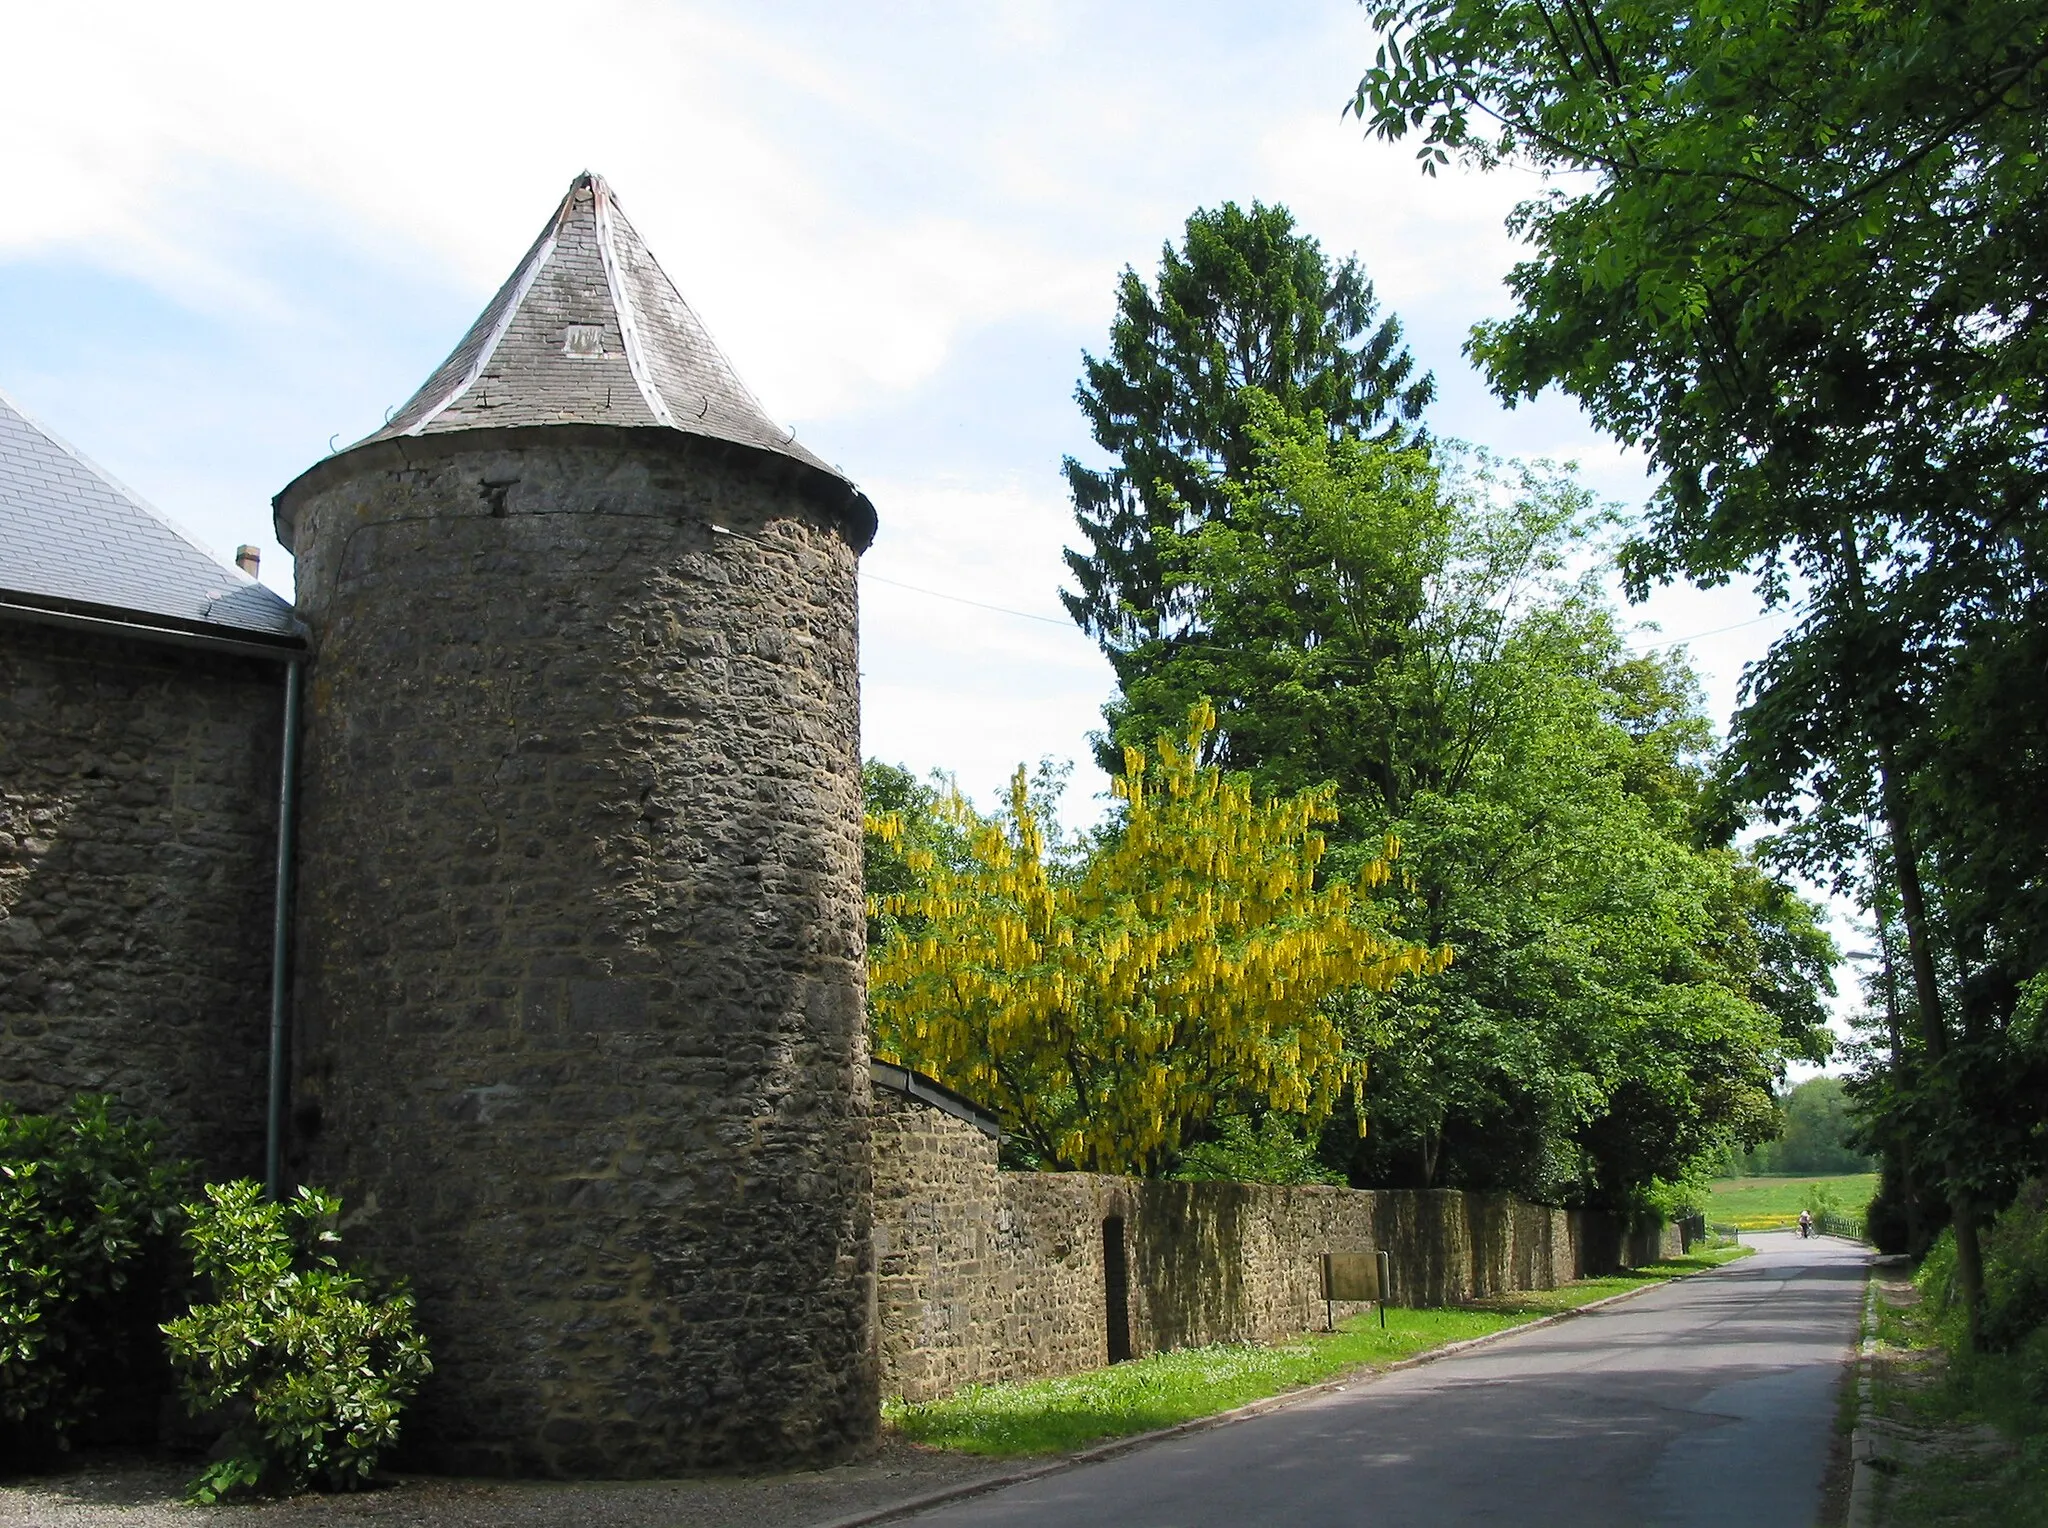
(249, 559)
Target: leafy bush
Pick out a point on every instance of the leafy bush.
(85, 1211)
(2015, 1320)
(1270, 1152)
(1829, 1218)
(308, 1363)
(2016, 1270)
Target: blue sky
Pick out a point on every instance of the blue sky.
(240, 232)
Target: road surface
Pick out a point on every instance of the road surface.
(1708, 1400)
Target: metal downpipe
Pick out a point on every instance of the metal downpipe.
(280, 938)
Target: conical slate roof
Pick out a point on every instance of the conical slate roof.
(588, 330)
(72, 539)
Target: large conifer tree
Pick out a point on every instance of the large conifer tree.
(1245, 301)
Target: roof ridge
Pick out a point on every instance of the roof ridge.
(589, 329)
(513, 292)
(622, 300)
(73, 535)
(610, 200)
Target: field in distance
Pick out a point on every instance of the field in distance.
(1764, 1204)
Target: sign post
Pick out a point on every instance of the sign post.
(1355, 1276)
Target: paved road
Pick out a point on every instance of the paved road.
(1705, 1401)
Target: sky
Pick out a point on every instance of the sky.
(241, 233)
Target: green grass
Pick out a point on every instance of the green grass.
(1055, 1415)
(1962, 1482)
(1764, 1204)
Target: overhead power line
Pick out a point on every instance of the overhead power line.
(1775, 615)
(960, 599)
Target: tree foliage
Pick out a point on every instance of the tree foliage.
(1407, 633)
(1814, 1135)
(1800, 259)
(1107, 1003)
(1245, 301)
(308, 1364)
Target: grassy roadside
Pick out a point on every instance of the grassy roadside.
(1956, 1444)
(1055, 1415)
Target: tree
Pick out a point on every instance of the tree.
(1246, 301)
(1104, 1005)
(1814, 1135)
(1406, 632)
(1800, 259)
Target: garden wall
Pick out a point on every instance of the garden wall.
(138, 845)
(984, 1275)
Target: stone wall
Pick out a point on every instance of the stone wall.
(138, 819)
(987, 1275)
(580, 1013)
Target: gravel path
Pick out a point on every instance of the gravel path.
(112, 1491)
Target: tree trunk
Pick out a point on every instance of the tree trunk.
(1895, 1034)
(1920, 949)
(1933, 1024)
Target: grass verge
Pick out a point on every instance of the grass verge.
(1055, 1415)
(1968, 1443)
(1772, 1204)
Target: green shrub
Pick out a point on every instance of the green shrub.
(1273, 1151)
(307, 1363)
(2016, 1269)
(85, 1211)
(2015, 1249)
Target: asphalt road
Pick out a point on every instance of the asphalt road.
(1709, 1400)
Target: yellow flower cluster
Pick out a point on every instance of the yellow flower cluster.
(1101, 1008)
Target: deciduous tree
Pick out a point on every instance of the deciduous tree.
(1412, 632)
(1106, 1004)
(1798, 255)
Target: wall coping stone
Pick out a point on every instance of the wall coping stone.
(901, 1079)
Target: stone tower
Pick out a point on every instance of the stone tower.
(580, 1029)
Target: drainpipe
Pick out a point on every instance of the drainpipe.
(280, 936)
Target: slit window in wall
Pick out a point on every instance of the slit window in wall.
(1116, 1289)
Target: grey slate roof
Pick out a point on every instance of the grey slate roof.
(72, 538)
(588, 330)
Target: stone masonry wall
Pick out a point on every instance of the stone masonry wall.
(934, 1239)
(138, 821)
(580, 1007)
(987, 1275)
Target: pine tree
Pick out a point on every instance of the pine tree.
(1246, 301)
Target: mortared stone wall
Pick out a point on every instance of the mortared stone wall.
(138, 844)
(985, 1275)
(580, 1031)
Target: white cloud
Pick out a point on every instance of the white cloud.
(1424, 239)
(849, 195)
(975, 688)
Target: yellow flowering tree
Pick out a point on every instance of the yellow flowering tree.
(1103, 1006)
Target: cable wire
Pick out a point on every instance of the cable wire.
(959, 599)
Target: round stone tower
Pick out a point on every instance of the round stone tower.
(579, 1024)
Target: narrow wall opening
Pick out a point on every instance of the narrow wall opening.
(1116, 1289)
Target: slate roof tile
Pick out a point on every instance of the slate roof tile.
(589, 330)
(71, 535)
